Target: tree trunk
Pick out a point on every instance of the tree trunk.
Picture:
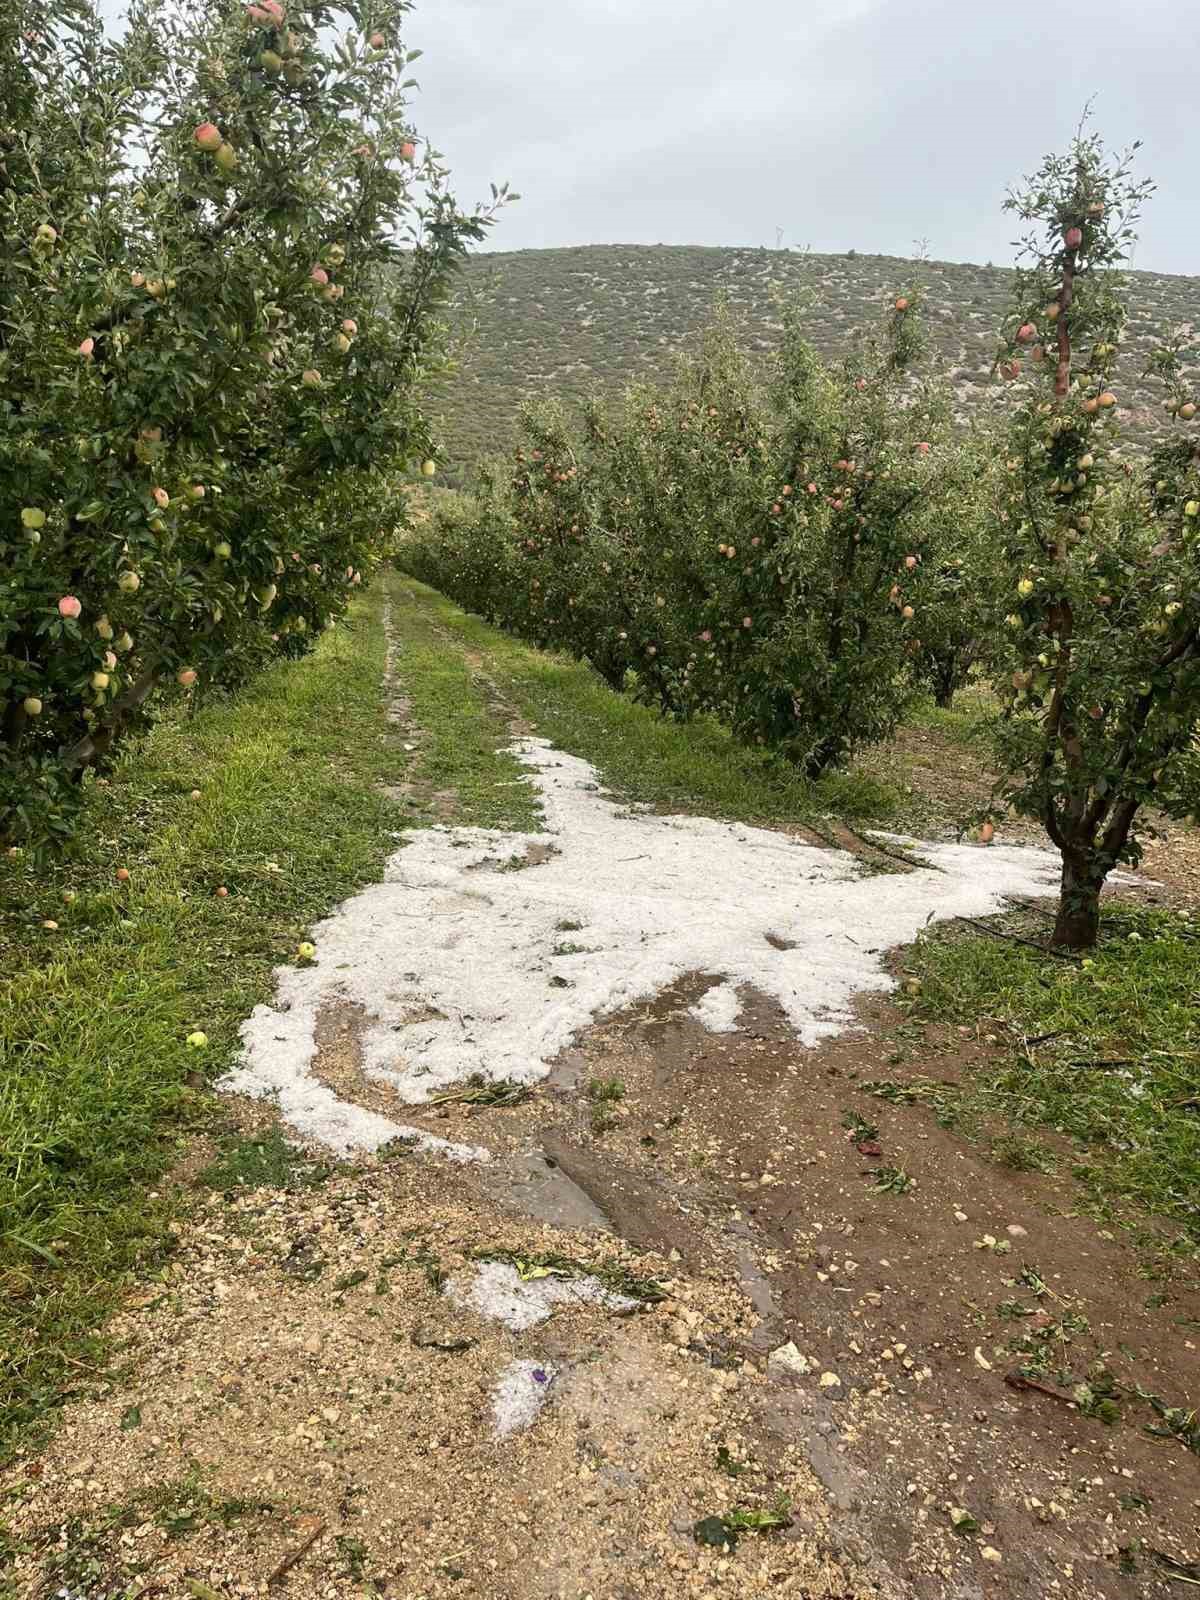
(1078, 922)
(943, 694)
(827, 753)
(614, 676)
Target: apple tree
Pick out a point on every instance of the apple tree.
(1099, 651)
(225, 248)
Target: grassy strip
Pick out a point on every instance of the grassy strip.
(1116, 1065)
(96, 1081)
(460, 732)
(696, 766)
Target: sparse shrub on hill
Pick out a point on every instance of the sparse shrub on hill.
(767, 556)
(1099, 547)
(591, 319)
(223, 253)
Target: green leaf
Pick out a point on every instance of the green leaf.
(716, 1533)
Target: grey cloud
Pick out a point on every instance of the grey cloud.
(868, 124)
(844, 123)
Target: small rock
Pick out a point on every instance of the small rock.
(1017, 1232)
(990, 1553)
(960, 1216)
(788, 1359)
(830, 1380)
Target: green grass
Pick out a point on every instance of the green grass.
(96, 1082)
(264, 1161)
(460, 730)
(695, 766)
(966, 721)
(1117, 1064)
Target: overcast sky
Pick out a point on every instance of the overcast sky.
(862, 124)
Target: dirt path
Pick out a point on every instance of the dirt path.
(536, 1347)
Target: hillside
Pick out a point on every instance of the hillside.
(565, 322)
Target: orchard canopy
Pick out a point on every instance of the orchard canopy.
(225, 247)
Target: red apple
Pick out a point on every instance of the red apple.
(1073, 238)
(1026, 332)
(208, 136)
(122, 874)
(69, 606)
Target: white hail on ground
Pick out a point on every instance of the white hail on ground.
(497, 1290)
(467, 961)
(519, 1394)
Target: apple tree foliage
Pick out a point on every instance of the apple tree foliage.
(767, 554)
(1097, 643)
(224, 254)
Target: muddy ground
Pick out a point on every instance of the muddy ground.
(302, 1355)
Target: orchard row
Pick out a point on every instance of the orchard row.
(799, 558)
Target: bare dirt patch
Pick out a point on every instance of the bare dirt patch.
(301, 1371)
(338, 1062)
(912, 1274)
(829, 1338)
